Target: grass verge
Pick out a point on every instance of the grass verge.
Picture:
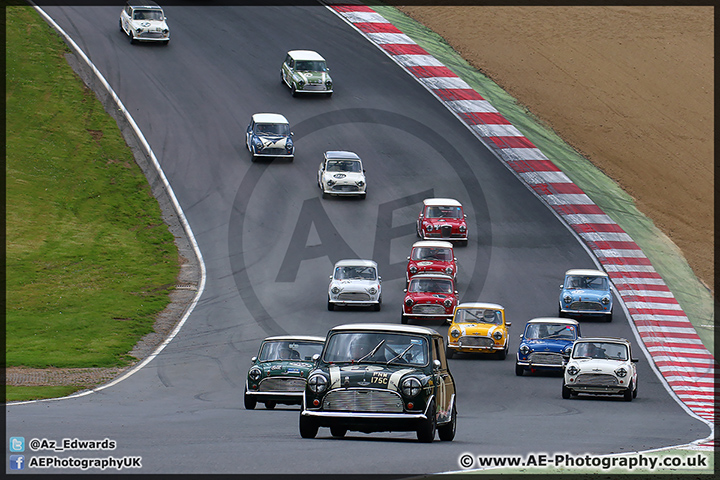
(89, 260)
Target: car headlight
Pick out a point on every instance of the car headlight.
(335, 290)
(255, 373)
(567, 299)
(524, 349)
(288, 145)
(372, 291)
(413, 269)
(330, 182)
(360, 183)
(497, 335)
(166, 31)
(455, 333)
(448, 302)
(621, 372)
(448, 270)
(139, 30)
(301, 83)
(463, 228)
(408, 301)
(567, 350)
(328, 84)
(317, 383)
(429, 227)
(573, 370)
(411, 387)
(605, 300)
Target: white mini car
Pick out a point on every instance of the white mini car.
(355, 283)
(144, 21)
(601, 366)
(341, 173)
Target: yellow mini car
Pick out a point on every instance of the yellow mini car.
(478, 328)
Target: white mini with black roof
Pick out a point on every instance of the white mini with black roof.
(341, 173)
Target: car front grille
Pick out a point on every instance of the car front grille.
(476, 342)
(363, 400)
(282, 384)
(315, 87)
(353, 297)
(546, 358)
(273, 151)
(596, 380)
(594, 306)
(432, 309)
(446, 230)
(345, 188)
(151, 35)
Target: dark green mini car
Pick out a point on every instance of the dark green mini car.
(279, 371)
(381, 377)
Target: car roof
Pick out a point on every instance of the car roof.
(308, 338)
(269, 118)
(493, 306)
(353, 262)
(143, 4)
(442, 202)
(586, 271)
(568, 321)
(385, 327)
(341, 154)
(604, 339)
(432, 243)
(431, 275)
(305, 55)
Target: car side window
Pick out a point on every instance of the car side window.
(439, 352)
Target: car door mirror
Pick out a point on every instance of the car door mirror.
(635, 360)
(292, 133)
(315, 358)
(561, 287)
(508, 324)
(436, 365)
(253, 359)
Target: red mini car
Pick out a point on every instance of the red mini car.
(430, 295)
(428, 256)
(442, 219)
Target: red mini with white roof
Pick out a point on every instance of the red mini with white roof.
(442, 219)
(430, 296)
(430, 256)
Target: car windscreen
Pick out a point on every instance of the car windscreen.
(586, 282)
(355, 273)
(310, 66)
(536, 331)
(272, 129)
(478, 315)
(343, 166)
(430, 285)
(443, 212)
(147, 15)
(600, 350)
(289, 350)
(376, 347)
(432, 253)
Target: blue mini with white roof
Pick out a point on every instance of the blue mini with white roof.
(269, 135)
(544, 344)
(586, 292)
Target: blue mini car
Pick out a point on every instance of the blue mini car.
(544, 342)
(586, 292)
(269, 135)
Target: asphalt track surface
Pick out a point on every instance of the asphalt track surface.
(269, 241)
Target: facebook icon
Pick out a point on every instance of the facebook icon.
(17, 462)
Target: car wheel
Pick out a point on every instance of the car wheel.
(376, 307)
(325, 195)
(292, 158)
(403, 320)
(308, 427)
(253, 157)
(447, 432)
(463, 243)
(250, 401)
(338, 431)
(635, 391)
(501, 354)
(120, 23)
(562, 314)
(608, 317)
(282, 77)
(426, 431)
(565, 392)
(331, 306)
(519, 370)
(449, 352)
(628, 395)
(293, 91)
(363, 196)
(270, 404)
(132, 36)
(165, 43)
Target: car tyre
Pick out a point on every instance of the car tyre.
(270, 404)
(426, 430)
(502, 354)
(293, 91)
(519, 370)
(120, 23)
(449, 352)
(325, 195)
(338, 432)
(404, 320)
(463, 243)
(376, 307)
(308, 427)
(608, 317)
(628, 395)
(132, 36)
(250, 402)
(331, 306)
(446, 432)
(565, 392)
(363, 196)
